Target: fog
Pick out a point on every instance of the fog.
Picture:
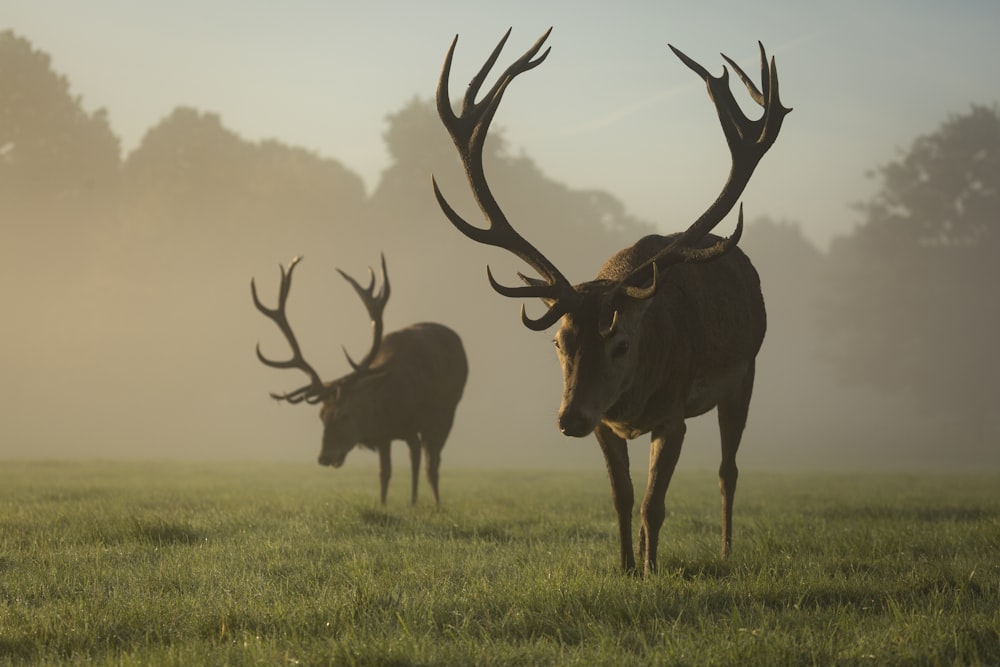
(128, 330)
(148, 353)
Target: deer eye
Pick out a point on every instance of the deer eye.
(555, 341)
(620, 349)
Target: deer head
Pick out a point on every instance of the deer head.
(598, 340)
(341, 398)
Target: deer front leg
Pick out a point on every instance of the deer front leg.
(616, 456)
(384, 468)
(664, 451)
(414, 444)
(733, 411)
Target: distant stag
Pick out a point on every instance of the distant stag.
(670, 327)
(406, 388)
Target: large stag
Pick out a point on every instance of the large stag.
(405, 388)
(668, 329)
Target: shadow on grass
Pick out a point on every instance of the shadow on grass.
(489, 532)
(688, 570)
(921, 514)
(162, 532)
(19, 650)
(73, 496)
(379, 518)
(149, 530)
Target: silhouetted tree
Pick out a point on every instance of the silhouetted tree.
(402, 204)
(55, 157)
(945, 190)
(188, 164)
(578, 229)
(913, 301)
(191, 178)
(790, 267)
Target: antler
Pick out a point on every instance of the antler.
(315, 390)
(748, 140)
(468, 130)
(375, 304)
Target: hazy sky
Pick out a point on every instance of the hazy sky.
(611, 108)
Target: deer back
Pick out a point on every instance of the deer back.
(416, 378)
(424, 364)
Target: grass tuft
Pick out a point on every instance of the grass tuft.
(122, 564)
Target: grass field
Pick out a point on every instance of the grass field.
(184, 564)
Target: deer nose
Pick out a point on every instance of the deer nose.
(575, 424)
(327, 459)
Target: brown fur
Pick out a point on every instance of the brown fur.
(691, 348)
(406, 387)
(670, 327)
(410, 393)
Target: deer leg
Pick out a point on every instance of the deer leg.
(384, 468)
(733, 411)
(664, 451)
(616, 456)
(433, 441)
(433, 465)
(414, 445)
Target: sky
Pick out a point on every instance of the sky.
(611, 108)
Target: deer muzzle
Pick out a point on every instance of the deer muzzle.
(576, 423)
(330, 459)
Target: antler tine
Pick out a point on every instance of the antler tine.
(678, 251)
(536, 288)
(375, 305)
(479, 115)
(314, 391)
(767, 99)
(748, 141)
(468, 130)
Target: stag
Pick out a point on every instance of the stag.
(670, 327)
(405, 388)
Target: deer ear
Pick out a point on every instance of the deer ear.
(332, 392)
(621, 305)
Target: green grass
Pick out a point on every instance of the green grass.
(118, 563)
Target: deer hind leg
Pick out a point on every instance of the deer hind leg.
(664, 451)
(414, 445)
(733, 410)
(433, 465)
(433, 442)
(384, 468)
(616, 456)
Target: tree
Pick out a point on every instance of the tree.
(913, 303)
(545, 210)
(59, 178)
(191, 178)
(789, 266)
(54, 156)
(187, 163)
(945, 190)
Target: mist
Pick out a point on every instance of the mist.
(129, 333)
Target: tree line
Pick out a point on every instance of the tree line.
(131, 271)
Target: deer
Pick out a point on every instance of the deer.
(668, 329)
(406, 387)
